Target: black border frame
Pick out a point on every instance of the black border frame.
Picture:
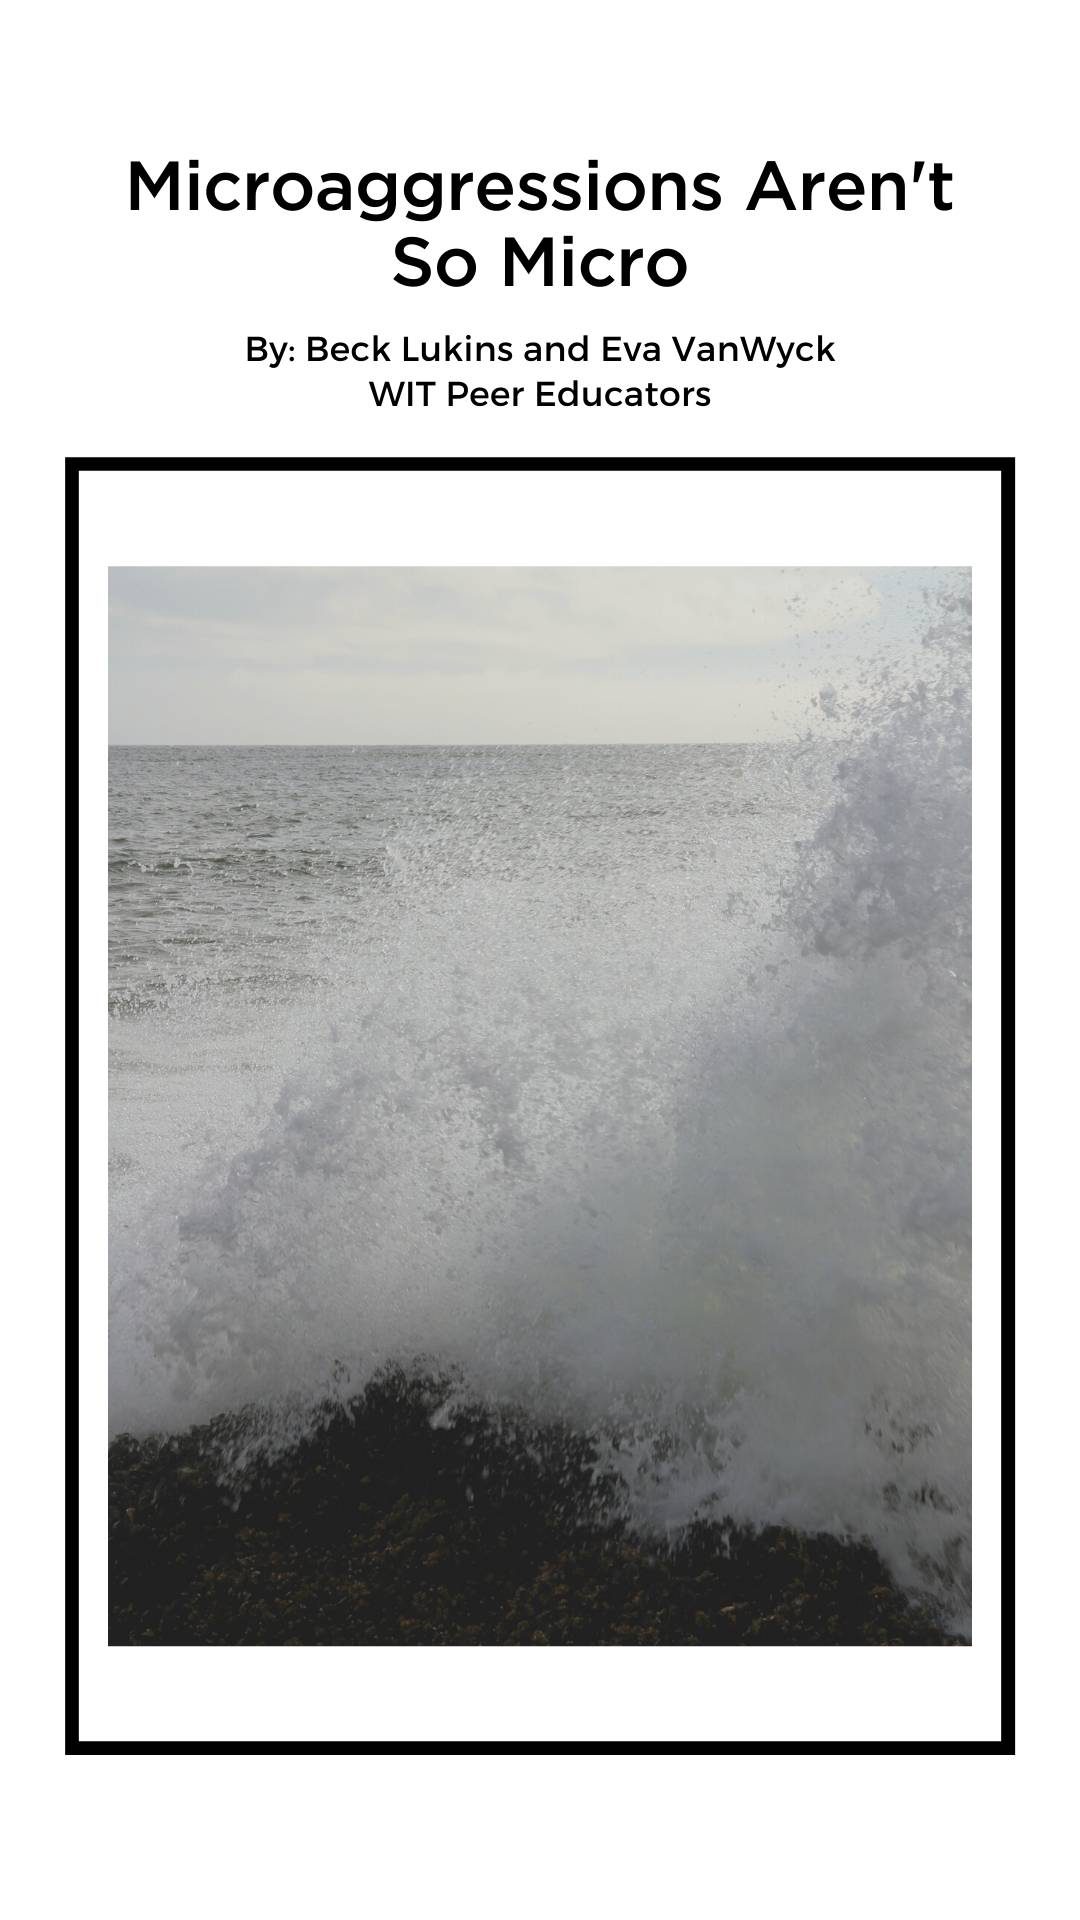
(1006, 468)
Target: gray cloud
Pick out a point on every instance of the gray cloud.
(382, 655)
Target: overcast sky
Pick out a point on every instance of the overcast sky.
(442, 655)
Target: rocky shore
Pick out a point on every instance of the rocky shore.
(384, 1529)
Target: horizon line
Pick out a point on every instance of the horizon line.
(391, 746)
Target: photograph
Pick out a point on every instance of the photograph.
(540, 1121)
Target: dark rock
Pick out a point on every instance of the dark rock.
(381, 1529)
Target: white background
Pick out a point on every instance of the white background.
(124, 334)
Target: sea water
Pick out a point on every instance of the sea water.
(622, 1086)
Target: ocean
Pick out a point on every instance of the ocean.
(623, 1087)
